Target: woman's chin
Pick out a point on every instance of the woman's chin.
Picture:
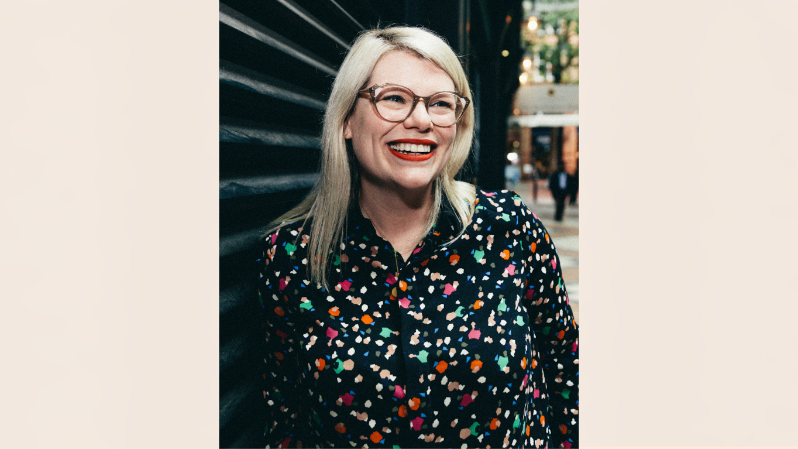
(414, 183)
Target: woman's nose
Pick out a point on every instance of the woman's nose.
(419, 117)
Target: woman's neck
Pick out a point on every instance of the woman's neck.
(399, 216)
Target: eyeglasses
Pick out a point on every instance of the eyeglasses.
(395, 103)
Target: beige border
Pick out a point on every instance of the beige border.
(108, 263)
(688, 223)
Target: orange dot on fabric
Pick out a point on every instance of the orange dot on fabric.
(478, 305)
(494, 423)
(505, 254)
(375, 437)
(403, 285)
(402, 411)
(534, 363)
(563, 429)
(523, 363)
(340, 427)
(334, 311)
(441, 366)
(279, 311)
(527, 430)
(279, 355)
(415, 403)
(533, 247)
(560, 334)
(476, 365)
(367, 319)
(425, 262)
(320, 364)
(542, 420)
(547, 238)
(454, 258)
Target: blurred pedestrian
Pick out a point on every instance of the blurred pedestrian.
(559, 186)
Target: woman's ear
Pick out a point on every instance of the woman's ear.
(347, 129)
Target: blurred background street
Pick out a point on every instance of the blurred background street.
(565, 233)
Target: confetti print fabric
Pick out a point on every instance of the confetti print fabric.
(472, 345)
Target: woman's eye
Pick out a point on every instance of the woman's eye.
(394, 99)
(442, 104)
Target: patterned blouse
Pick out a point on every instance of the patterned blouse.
(474, 344)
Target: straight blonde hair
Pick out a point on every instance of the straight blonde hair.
(335, 190)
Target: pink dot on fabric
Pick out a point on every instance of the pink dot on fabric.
(332, 333)
(416, 250)
(404, 302)
(474, 334)
(529, 293)
(536, 393)
(526, 377)
(398, 392)
(489, 193)
(274, 238)
(554, 263)
(283, 284)
(345, 285)
(347, 398)
(448, 289)
(511, 269)
(391, 278)
(467, 399)
(576, 345)
(566, 444)
(417, 423)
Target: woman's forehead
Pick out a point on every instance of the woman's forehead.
(406, 69)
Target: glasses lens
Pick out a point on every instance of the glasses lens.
(445, 108)
(393, 102)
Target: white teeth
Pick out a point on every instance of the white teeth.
(411, 148)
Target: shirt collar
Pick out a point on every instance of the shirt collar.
(446, 227)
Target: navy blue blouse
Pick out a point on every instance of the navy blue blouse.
(473, 344)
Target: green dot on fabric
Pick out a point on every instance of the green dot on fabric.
(340, 366)
(517, 422)
(306, 305)
(479, 255)
(459, 311)
(385, 332)
(503, 362)
(520, 320)
(502, 306)
(474, 429)
(289, 248)
(337, 260)
(422, 356)
(505, 217)
(565, 393)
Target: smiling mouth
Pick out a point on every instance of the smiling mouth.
(410, 148)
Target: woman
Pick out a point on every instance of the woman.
(403, 308)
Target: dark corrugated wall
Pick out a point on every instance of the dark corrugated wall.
(277, 61)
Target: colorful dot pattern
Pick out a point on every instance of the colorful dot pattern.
(473, 344)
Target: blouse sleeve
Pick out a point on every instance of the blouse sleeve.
(556, 333)
(280, 364)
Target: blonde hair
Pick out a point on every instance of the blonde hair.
(329, 200)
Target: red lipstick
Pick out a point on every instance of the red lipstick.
(413, 157)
